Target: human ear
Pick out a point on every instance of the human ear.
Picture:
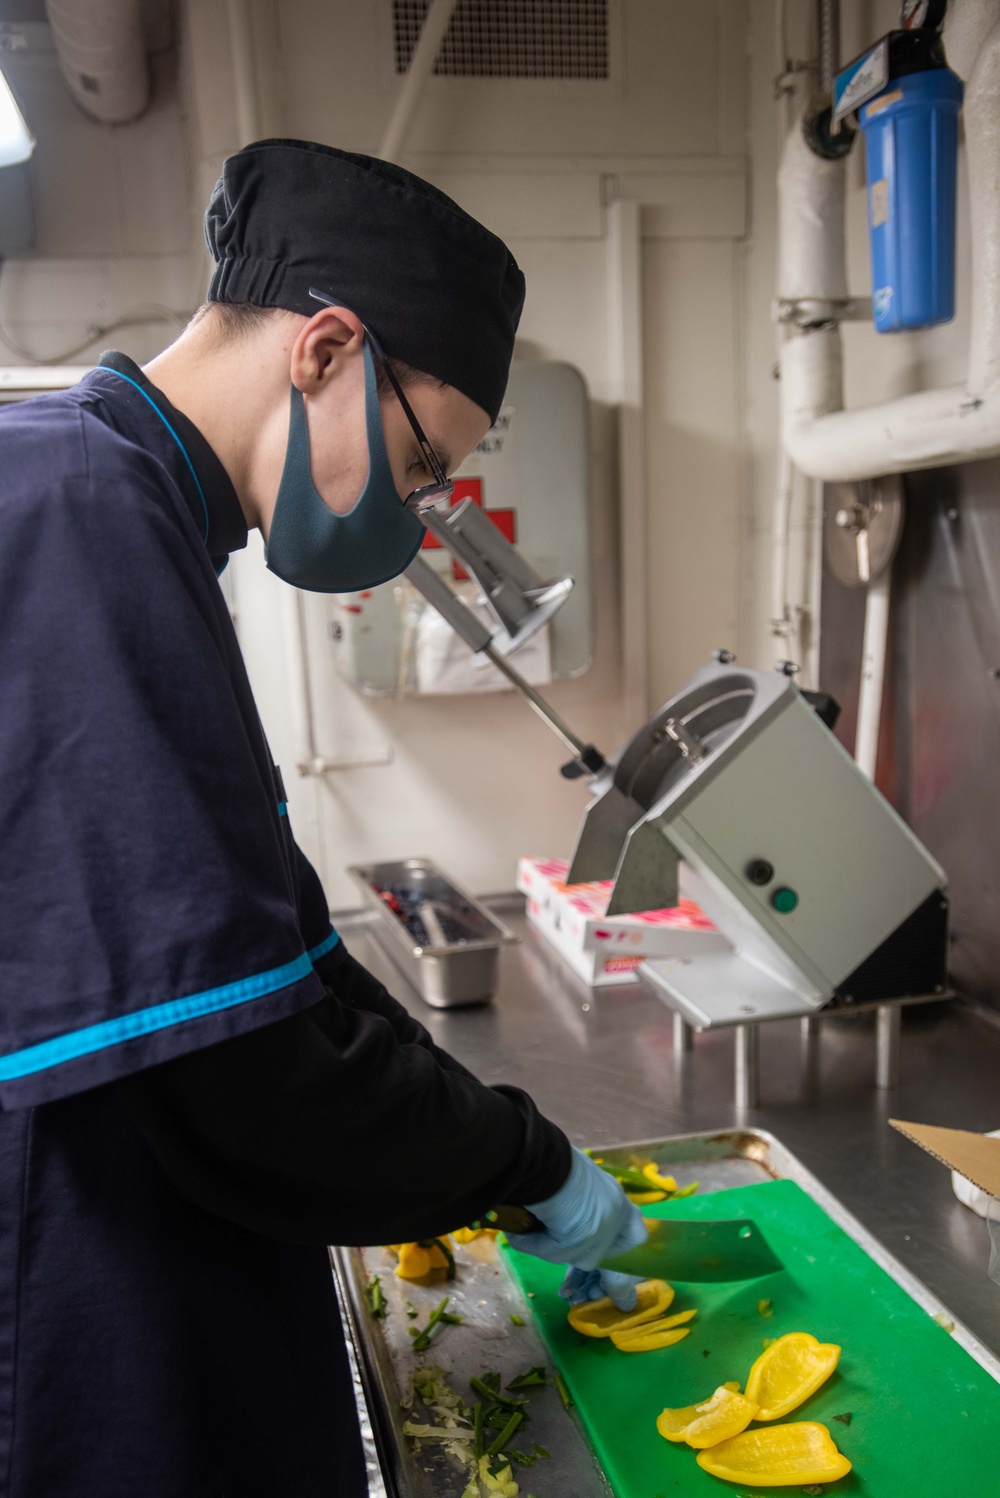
(321, 345)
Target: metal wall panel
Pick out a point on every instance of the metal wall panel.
(939, 759)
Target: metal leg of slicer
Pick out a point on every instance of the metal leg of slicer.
(683, 1036)
(810, 1027)
(887, 1029)
(747, 1066)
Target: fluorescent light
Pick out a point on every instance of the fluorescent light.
(16, 143)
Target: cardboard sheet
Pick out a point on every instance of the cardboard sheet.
(974, 1156)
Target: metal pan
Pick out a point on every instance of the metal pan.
(450, 951)
(487, 1339)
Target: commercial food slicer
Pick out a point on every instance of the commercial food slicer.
(737, 794)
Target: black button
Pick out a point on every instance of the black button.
(760, 871)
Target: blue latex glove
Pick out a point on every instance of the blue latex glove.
(587, 1220)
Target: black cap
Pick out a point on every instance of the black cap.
(438, 290)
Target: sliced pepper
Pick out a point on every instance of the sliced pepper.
(418, 1260)
(664, 1183)
(653, 1328)
(469, 1235)
(652, 1342)
(599, 1318)
(791, 1369)
(645, 1198)
(720, 1418)
(782, 1456)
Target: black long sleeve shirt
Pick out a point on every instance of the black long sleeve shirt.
(344, 1124)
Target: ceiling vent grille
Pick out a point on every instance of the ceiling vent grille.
(512, 38)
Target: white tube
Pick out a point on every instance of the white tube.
(966, 26)
(421, 66)
(102, 56)
(982, 135)
(931, 429)
(873, 658)
(811, 249)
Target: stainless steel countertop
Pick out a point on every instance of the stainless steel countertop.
(601, 1063)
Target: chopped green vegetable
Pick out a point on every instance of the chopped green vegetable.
(533, 1379)
(686, 1191)
(767, 1342)
(484, 1387)
(376, 1298)
(501, 1440)
(521, 1457)
(540, 1451)
(517, 1320)
(477, 1429)
(634, 1180)
(445, 1248)
(814, 1487)
(422, 1337)
(764, 1308)
(564, 1394)
(944, 1320)
(411, 1311)
(844, 1419)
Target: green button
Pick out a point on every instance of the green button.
(784, 900)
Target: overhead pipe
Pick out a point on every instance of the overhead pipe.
(933, 428)
(309, 759)
(425, 55)
(828, 36)
(102, 56)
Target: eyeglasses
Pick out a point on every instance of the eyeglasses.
(429, 496)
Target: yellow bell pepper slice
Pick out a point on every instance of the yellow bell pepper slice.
(782, 1456)
(599, 1318)
(664, 1183)
(469, 1235)
(418, 1260)
(720, 1418)
(645, 1198)
(791, 1369)
(653, 1328)
(655, 1340)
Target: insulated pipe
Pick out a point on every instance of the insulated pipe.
(421, 67)
(102, 56)
(933, 428)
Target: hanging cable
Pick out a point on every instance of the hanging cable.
(141, 316)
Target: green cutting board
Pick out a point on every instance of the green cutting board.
(925, 1417)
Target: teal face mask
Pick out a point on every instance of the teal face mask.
(311, 547)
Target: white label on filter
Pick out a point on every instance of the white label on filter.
(861, 81)
(878, 205)
(881, 300)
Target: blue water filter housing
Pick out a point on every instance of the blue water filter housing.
(911, 155)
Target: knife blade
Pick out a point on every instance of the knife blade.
(705, 1250)
(699, 1250)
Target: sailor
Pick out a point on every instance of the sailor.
(200, 1087)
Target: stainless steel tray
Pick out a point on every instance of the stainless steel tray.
(487, 1339)
(445, 972)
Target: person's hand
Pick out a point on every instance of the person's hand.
(581, 1285)
(589, 1219)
